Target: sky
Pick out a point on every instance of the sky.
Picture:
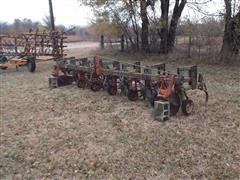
(66, 12)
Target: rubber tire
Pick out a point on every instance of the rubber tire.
(95, 86)
(153, 97)
(81, 83)
(3, 59)
(31, 64)
(124, 90)
(133, 95)
(65, 80)
(112, 90)
(185, 103)
(174, 107)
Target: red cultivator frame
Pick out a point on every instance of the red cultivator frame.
(29, 48)
(133, 80)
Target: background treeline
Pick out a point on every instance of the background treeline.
(75, 33)
(25, 25)
(156, 26)
(153, 25)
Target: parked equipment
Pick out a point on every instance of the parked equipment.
(135, 81)
(29, 48)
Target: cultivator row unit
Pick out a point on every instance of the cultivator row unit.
(29, 48)
(135, 81)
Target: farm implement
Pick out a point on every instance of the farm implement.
(29, 48)
(162, 89)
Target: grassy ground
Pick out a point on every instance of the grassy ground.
(72, 133)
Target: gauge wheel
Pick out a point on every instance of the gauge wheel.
(31, 64)
(112, 90)
(175, 104)
(81, 83)
(133, 95)
(153, 97)
(3, 60)
(187, 106)
(4, 68)
(95, 86)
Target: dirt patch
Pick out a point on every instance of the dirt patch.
(72, 133)
(78, 49)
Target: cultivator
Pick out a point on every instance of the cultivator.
(29, 48)
(135, 81)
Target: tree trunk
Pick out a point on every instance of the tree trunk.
(133, 19)
(230, 47)
(163, 33)
(124, 29)
(145, 24)
(177, 12)
(227, 51)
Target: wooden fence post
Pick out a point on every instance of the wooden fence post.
(122, 43)
(189, 46)
(102, 42)
(199, 48)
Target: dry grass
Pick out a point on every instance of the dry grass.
(72, 133)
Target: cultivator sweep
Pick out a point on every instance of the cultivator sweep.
(25, 49)
(135, 81)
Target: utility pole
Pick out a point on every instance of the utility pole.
(51, 15)
(54, 43)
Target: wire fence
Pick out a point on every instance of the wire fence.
(198, 47)
(205, 48)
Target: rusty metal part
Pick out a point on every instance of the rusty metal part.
(55, 70)
(133, 95)
(138, 81)
(175, 103)
(80, 79)
(187, 106)
(33, 44)
(112, 90)
(164, 91)
(202, 86)
(27, 48)
(97, 66)
(96, 84)
(81, 83)
(112, 85)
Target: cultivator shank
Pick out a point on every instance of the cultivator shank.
(135, 81)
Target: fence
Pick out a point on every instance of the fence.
(118, 44)
(200, 47)
(195, 47)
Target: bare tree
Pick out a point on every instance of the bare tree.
(177, 12)
(168, 31)
(231, 38)
(145, 24)
(132, 15)
(163, 33)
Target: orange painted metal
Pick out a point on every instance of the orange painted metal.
(164, 91)
(55, 70)
(97, 66)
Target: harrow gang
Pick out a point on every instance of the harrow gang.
(25, 49)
